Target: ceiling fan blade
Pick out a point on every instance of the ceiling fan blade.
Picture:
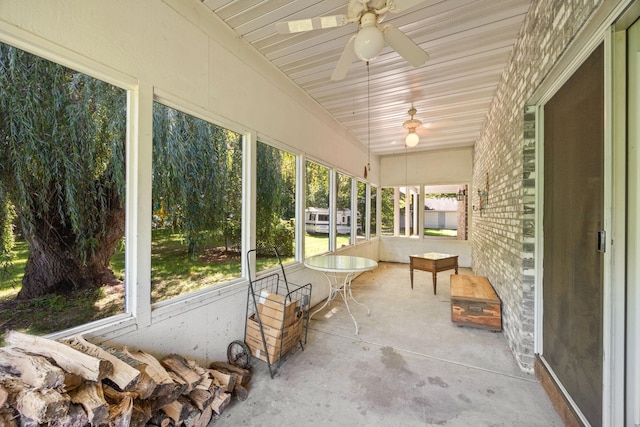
(404, 46)
(318, 23)
(400, 5)
(347, 57)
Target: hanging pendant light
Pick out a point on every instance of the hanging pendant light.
(412, 138)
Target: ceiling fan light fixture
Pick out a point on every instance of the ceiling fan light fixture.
(412, 138)
(368, 43)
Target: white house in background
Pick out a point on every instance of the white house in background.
(441, 213)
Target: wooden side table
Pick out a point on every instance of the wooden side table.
(433, 262)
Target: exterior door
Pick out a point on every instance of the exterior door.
(572, 219)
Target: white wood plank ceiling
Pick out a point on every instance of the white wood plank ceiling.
(469, 43)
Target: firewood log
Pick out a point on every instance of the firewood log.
(206, 383)
(4, 395)
(91, 396)
(204, 418)
(141, 413)
(228, 381)
(120, 413)
(191, 415)
(195, 367)
(8, 417)
(69, 359)
(229, 368)
(180, 387)
(178, 365)
(146, 385)
(35, 371)
(220, 403)
(123, 376)
(42, 406)
(173, 410)
(164, 383)
(28, 422)
(13, 386)
(76, 417)
(240, 393)
(201, 398)
(72, 381)
(161, 419)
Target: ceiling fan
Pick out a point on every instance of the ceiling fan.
(369, 41)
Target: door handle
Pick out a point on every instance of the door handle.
(602, 241)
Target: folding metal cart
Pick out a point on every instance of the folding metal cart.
(277, 317)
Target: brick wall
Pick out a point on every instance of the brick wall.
(502, 238)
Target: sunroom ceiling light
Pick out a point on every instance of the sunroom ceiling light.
(369, 41)
(412, 138)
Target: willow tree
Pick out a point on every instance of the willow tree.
(6, 235)
(317, 185)
(62, 169)
(275, 199)
(197, 178)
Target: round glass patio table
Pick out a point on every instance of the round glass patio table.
(339, 271)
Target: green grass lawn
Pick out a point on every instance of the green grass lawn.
(172, 273)
(440, 232)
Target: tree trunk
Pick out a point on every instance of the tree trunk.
(54, 264)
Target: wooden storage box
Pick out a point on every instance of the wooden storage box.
(475, 303)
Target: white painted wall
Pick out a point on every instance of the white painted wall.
(398, 249)
(420, 169)
(428, 168)
(178, 51)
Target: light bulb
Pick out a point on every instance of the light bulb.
(412, 139)
(368, 43)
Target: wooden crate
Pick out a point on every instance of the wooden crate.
(475, 303)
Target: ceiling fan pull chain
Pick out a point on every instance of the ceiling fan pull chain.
(368, 119)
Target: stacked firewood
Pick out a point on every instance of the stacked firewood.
(73, 382)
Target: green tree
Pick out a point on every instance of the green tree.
(317, 185)
(343, 194)
(386, 212)
(197, 175)
(7, 215)
(275, 206)
(62, 167)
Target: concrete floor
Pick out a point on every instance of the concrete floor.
(409, 366)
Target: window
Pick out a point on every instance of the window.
(373, 221)
(362, 211)
(387, 213)
(62, 200)
(440, 211)
(442, 214)
(398, 210)
(344, 211)
(275, 205)
(317, 210)
(197, 180)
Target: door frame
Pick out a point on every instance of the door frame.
(599, 29)
(628, 152)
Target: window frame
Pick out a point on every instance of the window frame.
(417, 203)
